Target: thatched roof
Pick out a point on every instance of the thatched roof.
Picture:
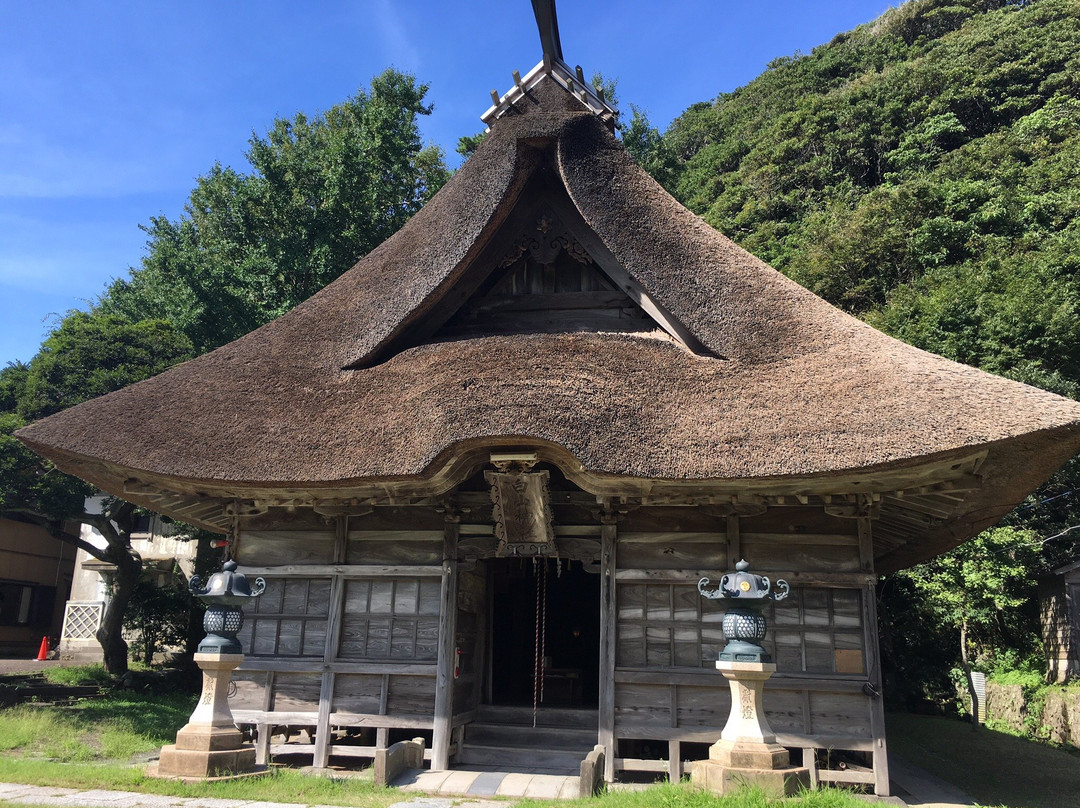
(782, 388)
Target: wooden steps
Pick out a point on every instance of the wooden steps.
(503, 738)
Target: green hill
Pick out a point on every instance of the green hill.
(921, 171)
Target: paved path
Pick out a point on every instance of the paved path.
(918, 787)
(454, 789)
(490, 784)
(96, 798)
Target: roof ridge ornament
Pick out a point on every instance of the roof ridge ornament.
(548, 23)
(554, 67)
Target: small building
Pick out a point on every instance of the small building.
(485, 469)
(35, 576)
(159, 545)
(1059, 609)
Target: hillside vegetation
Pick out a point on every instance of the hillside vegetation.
(921, 171)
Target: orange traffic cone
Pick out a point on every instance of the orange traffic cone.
(43, 652)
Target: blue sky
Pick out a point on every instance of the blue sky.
(110, 109)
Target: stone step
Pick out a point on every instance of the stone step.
(549, 761)
(513, 735)
(545, 717)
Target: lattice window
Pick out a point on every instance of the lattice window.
(288, 619)
(390, 619)
(818, 631)
(82, 620)
(672, 626)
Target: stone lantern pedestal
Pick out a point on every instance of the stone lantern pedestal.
(210, 745)
(747, 753)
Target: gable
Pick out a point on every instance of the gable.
(546, 282)
(542, 270)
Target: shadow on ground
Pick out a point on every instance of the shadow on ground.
(996, 769)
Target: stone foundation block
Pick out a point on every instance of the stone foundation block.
(777, 783)
(209, 739)
(749, 755)
(185, 763)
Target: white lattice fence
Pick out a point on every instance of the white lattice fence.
(82, 619)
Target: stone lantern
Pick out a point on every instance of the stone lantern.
(747, 752)
(210, 745)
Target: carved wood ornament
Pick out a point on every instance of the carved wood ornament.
(545, 242)
(522, 513)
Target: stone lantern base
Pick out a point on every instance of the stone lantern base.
(209, 746)
(747, 753)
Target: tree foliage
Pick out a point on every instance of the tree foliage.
(157, 616)
(919, 171)
(322, 193)
(85, 356)
(89, 355)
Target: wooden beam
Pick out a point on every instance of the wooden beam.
(444, 683)
(348, 570)
(706, 678)
(608, 623)
(836, 580)
(272, 664)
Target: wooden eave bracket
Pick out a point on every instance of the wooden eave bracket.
(570, 80)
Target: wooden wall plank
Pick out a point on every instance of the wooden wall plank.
(411, 695)
(672, 555)
(263, 548)
(357, 693)
(297, 692)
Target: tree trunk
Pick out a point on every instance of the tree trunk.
(110, 633)
(966, 665)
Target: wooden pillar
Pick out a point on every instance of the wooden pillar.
(734, 541)
(675, 767)
(866, 544)
(873, 657)
(608, 617)
(321, 757)
(444, 683)
(877, 707)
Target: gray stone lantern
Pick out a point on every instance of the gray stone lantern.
(744, 624)
(210, 746)
(224, 594)
(747, 752)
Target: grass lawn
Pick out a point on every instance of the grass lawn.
(103, 743)
(993, 767)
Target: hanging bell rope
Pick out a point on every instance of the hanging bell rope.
(543, 633)
(536, 648)
(540, 637)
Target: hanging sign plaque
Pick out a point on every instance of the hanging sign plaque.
(522, 513)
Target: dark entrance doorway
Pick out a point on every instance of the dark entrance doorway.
(570, 626)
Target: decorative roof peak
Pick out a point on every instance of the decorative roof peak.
(573, 81)
(551, 67)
